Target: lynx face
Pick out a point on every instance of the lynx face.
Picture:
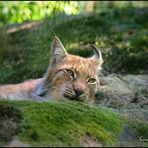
(72, 77)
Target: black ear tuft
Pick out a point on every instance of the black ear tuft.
(97, 56)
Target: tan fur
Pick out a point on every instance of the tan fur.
(19, 91)
(57, 83)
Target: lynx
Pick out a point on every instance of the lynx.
(68, 76)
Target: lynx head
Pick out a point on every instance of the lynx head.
(71, 76)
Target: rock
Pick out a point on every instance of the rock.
(128, 95)
(127, 91)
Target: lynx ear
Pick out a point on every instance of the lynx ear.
(97, 56)
(58, 51)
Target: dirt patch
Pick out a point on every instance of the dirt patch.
(9, 119)
(16, 143)
(90, 141)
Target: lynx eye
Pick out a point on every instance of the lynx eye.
(91, 81)
(69, 72)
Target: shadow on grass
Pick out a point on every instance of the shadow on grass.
(121, 34)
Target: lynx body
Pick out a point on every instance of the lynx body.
(68, 76)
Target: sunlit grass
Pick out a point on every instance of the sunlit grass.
(62, 123)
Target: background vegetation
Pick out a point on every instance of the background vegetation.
(119, 29)
(20, 11)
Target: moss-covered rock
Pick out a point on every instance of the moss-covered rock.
(65, 123)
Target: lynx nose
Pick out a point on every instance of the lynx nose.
(78, 91)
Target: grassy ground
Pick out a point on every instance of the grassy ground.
(68, 123)
(59, 123)
(121, 33)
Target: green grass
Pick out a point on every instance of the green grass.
(62, 123)
(121, 33)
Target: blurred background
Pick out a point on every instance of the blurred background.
(118, 28)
